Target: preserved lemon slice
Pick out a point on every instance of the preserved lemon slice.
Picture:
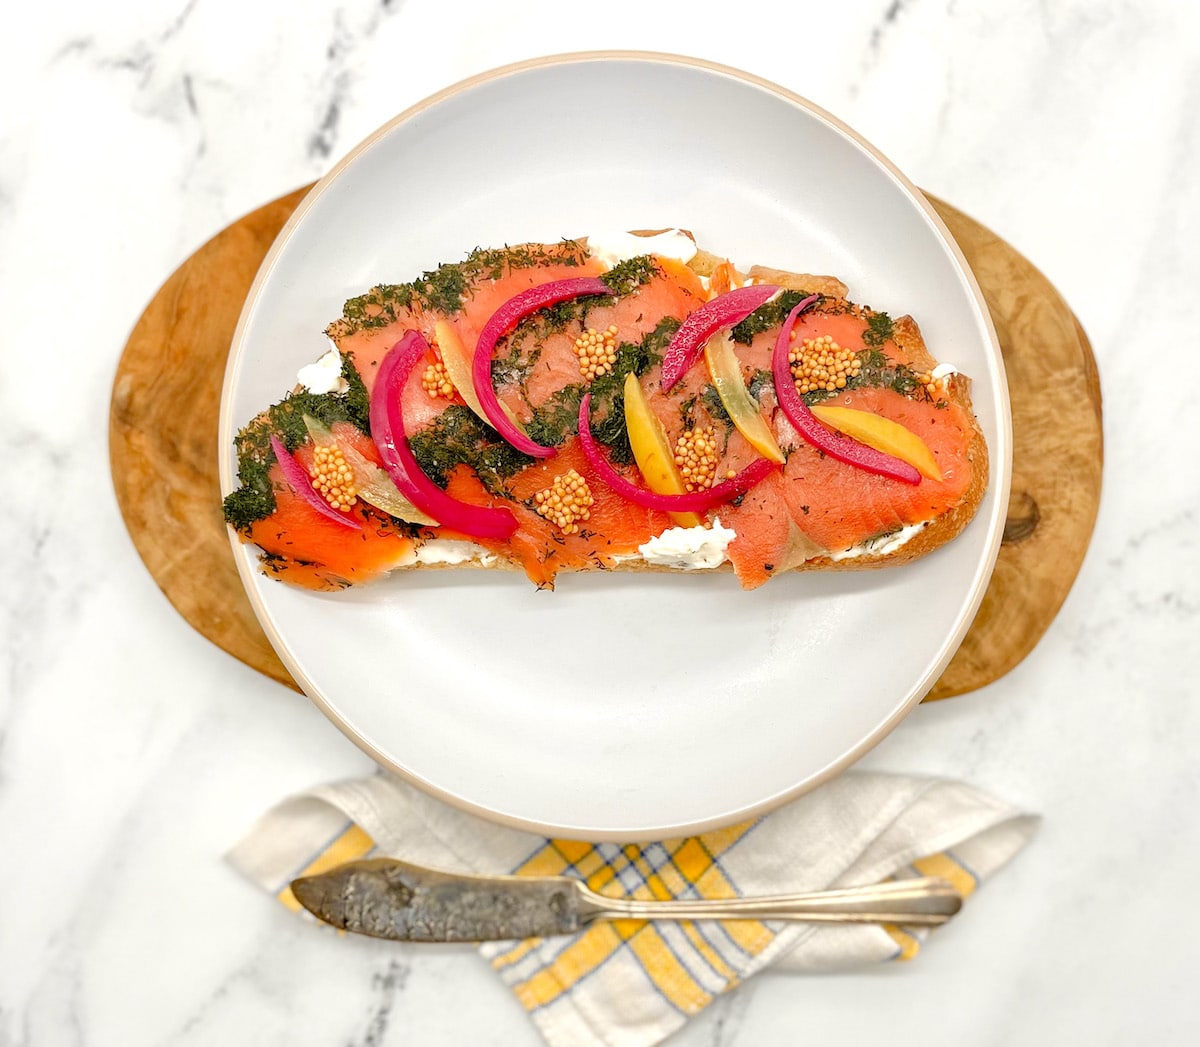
(457, 362)
(883, 434)
(725, 370)
(651, 450)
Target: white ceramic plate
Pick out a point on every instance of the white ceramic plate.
(620, 707)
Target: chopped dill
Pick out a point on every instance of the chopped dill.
(772, 314)
(445, 288)
(712, 403)
(358, 401)
(254, 499)
(879, 330)
(626, 277)
(762, 382)
(513, 367)
(457, 436)
(558, 417)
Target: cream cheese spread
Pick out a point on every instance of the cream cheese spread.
(881, 546)
(453, 551)
(689, 548)
(612, 248)
(325, 376)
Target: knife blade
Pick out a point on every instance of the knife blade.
(388, 898)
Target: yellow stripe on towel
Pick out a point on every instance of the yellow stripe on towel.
(947, 868)
(909, 944)
(516, 954)
(668, 870)
(667, 884)
(576, 961)
(663, 968)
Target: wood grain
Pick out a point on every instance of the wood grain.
(163, 435)
(166, 396)
(1058, 457)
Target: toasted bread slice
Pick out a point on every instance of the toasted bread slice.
(813, 513)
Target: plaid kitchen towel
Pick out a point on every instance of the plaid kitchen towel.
(631, 983)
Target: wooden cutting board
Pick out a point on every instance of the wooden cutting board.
(163, 446)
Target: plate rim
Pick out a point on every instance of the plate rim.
(999, 480)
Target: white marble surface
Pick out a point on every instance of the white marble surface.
(132, 753)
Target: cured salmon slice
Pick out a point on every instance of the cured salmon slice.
(467, 294)
(764, 529)
(303, 548)
(838, 507)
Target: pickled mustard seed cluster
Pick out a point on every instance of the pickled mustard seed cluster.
(597, 351)
(821, 364)
(696, 456)
(565, 502)
(436, 381)
(333, 478)
(937, 388)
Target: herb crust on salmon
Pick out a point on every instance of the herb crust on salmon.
(567, 407)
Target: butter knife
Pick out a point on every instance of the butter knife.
(387, 898)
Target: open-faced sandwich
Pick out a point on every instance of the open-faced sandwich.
(626, 403)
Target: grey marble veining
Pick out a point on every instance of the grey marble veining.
(133, 753)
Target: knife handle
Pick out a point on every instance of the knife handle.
(922, 901)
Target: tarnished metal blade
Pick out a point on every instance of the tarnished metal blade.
(386, 898)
